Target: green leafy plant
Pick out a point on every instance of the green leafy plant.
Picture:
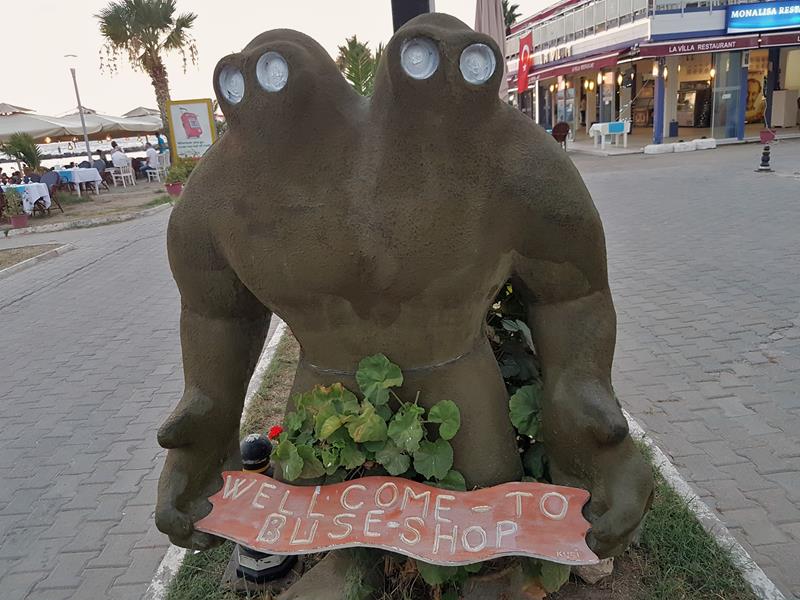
(22, 147)
(180, 170)
(13, 202)
(332, 434)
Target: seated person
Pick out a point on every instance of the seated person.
(32, 175)
(118, 157)
(151, 160)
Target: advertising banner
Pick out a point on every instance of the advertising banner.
(191, 126)
(764, 16)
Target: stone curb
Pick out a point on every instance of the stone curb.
(83, 223)
(173, 558)
(34, 260)
(762, 586)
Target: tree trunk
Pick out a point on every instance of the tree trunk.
(160, 81)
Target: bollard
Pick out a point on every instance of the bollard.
(254, 565)
(764, 166)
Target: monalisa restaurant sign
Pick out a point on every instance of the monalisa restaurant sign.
(764, 16)
(719, 44)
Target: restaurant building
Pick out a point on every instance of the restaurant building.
(674, 68)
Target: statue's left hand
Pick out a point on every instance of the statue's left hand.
(588, 446)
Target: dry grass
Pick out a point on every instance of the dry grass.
(13, 256)
(269, 404)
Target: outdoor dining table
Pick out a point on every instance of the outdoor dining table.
(81, 175)
(31, 192)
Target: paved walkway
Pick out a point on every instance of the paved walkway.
(90, 367)
(704, 259)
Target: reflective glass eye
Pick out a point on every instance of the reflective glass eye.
(272, 71)
(419, 58)
(231, 84)
(477, 63)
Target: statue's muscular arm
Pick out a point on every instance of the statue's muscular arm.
(223, 327)
(560, 272)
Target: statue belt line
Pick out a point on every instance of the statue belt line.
(423, 368)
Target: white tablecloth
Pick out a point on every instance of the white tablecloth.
(89, 175)
(31, 192)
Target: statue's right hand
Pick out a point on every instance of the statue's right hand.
(191, 473)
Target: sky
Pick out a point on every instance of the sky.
(36, 74)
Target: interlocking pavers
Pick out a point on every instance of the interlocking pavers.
(704, 264)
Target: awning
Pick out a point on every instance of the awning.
(780, 39)
(715, 44)
(577, 67)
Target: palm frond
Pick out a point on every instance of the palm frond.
(21, 147)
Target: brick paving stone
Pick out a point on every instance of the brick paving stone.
(79, 459)
(706, 283)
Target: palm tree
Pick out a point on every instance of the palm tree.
(510, 14)
(145, 30)
(358, 64)
(22, 148)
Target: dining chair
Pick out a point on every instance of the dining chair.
(123, 175)
(51, 179)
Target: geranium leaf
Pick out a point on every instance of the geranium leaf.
(405, 428)
(447, 414)
(393, 459)
(433, 460)
(368, 426)
(435, 574)
(524, 407)
(351, 457)
(454, 480)
(375, 375)
(312, 466)
(289, 459)
(294, 420)
(553, 576)
(330, 425)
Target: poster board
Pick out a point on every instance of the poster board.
(191, 126)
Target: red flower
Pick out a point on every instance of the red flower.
(274, 431)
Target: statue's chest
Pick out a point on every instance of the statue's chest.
(347, 246)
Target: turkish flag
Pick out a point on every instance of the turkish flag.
(525, 61)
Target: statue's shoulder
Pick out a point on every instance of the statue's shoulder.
(540, 176)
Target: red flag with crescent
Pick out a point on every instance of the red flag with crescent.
(525, 61)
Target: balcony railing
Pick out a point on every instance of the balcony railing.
(597, 16)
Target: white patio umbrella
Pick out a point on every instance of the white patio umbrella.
(98, 126)
(489, 20)
(38, 126)
(142, 111)
(10, 109)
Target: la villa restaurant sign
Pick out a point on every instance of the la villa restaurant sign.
(432, 524)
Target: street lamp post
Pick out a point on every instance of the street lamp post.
(80, 106)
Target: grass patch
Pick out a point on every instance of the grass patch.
(70, 198)
(12, 256)
(676, 559)
(159, 200)
(200, 574)
(680, 560)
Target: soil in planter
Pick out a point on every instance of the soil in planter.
(13, 256)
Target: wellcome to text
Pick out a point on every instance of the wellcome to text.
(433, 524)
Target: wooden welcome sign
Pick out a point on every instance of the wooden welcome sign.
(432, 524)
